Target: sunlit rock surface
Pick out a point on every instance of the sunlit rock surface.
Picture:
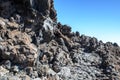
(34, 46)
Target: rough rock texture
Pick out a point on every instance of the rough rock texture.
(33, 46)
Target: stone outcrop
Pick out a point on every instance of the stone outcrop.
(34, 46)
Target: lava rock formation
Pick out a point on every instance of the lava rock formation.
(34, 46)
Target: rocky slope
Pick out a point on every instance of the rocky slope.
(34, 46)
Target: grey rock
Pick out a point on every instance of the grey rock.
(33, 74)
(37, 79)
(3, 78)
(15, 69)
(56, 67)
(7, 64)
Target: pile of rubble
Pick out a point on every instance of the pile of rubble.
(34, 46)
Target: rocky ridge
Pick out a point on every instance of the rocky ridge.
(34, 46)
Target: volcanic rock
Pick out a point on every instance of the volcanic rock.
(34, 46)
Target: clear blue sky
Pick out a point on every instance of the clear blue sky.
(98, 18)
